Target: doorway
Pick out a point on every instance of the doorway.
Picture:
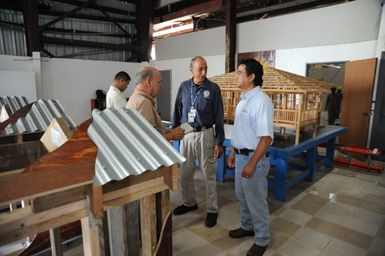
(164, 97)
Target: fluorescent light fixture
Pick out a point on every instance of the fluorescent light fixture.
(173, 30)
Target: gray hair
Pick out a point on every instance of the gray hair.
(143, 74)
(192, 61)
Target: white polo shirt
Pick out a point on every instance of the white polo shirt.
(115, 98)
(254, 118)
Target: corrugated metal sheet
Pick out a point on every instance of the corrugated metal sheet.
(12, 38)
(127, 145)
(14, 102)
(13, 42)
(39, 117)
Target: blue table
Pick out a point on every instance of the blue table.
(280, 156)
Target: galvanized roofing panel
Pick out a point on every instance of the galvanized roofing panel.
(39, 117)
(127, 145)
(14, 102)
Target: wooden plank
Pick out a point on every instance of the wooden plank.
(134, 196)
(56, 246)
(171, 177)
(165, 204)
(53, 200)
(90, 235)
(132, 189)
(97, 201)
(148, 224)
(117, 230)
(132, 180)
(133, 228)
(164, 246)
(20, 213)
(31, 224)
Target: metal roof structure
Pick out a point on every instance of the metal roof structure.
(39, 117)
(127, 145)
(14, 102)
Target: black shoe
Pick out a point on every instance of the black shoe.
(211, 219)
(256, 250)
(182, 209)
(239, 233)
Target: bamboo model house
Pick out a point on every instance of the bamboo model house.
(296, 99)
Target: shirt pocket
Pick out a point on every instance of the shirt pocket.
(205, 105)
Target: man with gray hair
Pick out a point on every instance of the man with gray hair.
(199, 103)
(148, 86)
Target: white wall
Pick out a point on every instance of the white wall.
(74, 82)
(208, 42)
(295, 60)
(180, 71)
(19, 75)
(350, 22)
(18, 83)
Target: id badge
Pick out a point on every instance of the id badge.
(191, 115)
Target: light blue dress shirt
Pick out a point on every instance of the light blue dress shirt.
(254, 118)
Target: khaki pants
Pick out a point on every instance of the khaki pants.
(199, 146)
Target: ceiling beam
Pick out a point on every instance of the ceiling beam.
(281, 9)
(113, 21)
(191, 7)
(97, 6)
(87, 16)
(67, 31)
(64, 15)
(82, 43)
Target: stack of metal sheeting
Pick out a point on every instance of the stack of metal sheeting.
(39, 117)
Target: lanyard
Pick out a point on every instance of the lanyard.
(193, 100)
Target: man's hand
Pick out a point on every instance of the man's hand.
(177, 133)
(248, 171)
(231, 159)
(218, 151)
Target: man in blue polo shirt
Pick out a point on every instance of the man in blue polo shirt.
(251, 137)
(199, 103)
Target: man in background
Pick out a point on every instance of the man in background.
(115, 97)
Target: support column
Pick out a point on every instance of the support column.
(31, 23)
(144, 29)
(231, 29)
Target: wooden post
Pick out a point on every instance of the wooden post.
(148, 227)
(299, 119)
(31, 21)
(90, 233)
(144, 28)
(117, 230)
(56, 246)
(231, 28)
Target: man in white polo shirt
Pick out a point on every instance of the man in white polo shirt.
(115, 97)
(251, 137)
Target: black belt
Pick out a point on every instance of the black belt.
(246, 151)
(201, 128)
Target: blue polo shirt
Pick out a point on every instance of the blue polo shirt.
(207, 100)
(254, 118)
